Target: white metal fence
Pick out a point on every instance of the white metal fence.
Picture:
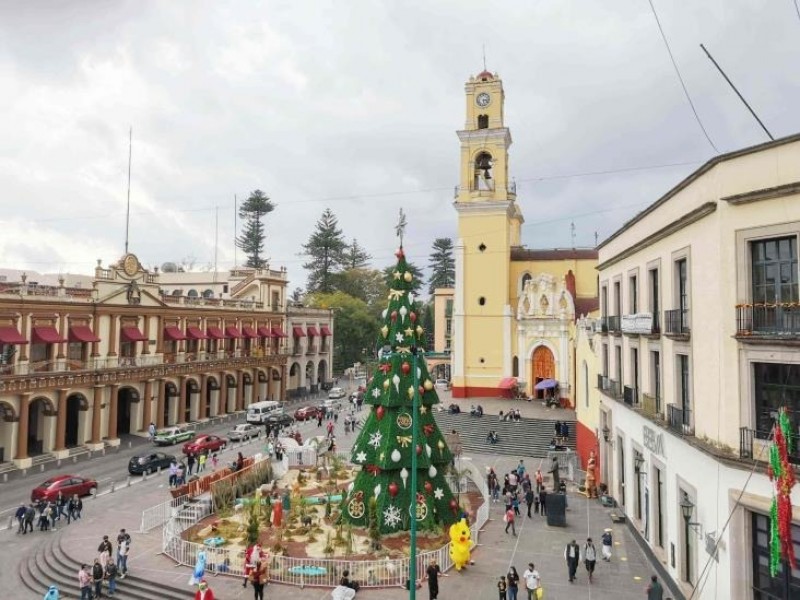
(312, 571)
(158, 515)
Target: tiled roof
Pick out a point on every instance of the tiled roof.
(520, 254)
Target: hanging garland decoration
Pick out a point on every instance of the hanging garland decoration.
(781, 474)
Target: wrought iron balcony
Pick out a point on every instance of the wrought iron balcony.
(613, 324)
(680, 419)
(630, 396)
(609, 387)
(755, 444)
(651, 406)
(768, 321)
(676, 322)
(604, 324)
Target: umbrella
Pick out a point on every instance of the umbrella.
(546, 384)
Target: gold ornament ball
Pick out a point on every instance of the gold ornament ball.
(419, 330)
(428, 385)
(408, 276)
(440, 444)
(410, 392)
(386, 384)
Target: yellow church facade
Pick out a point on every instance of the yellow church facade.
(514, 308)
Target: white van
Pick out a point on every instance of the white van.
(259, 411)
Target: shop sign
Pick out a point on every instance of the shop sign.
(653, 441)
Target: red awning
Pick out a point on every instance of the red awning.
(10, 335)
(132, 334)
(312, 331)
(173, 333)
(46, 335)
(232, 332)
(82, 333)
(278, 332)
(265, 332)
(325, 331)
(215, 333)
(195, 333)
(507, 383)
(249, 332)
(298, 331)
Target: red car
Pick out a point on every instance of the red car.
(68, 485)
(210, 443)
(306, 412)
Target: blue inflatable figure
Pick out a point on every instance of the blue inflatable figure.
(199, 568)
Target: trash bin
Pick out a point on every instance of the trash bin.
(557, 510)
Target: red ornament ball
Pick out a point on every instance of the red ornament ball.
(419, 449)
(453, 504)
(379, 412)
(399, 252)
(393, 489)
(406, 368)
(421, 390)
(394, 315)
(413, 317)
(428, 487)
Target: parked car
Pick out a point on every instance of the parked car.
(441, 385)
(173, 435)
(66, 484)
(306, 413)
(280, 418)
(149, 463)
(211, 443)
(336, 393)
(245, 431)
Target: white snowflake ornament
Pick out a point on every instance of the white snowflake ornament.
(361, 457)
(375, 439)
(376, 393)
(392, 516)
(399, 337)
(438, 493)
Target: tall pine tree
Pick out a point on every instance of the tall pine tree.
(356, 257)
(442, 265)
(326, 249)
(252, 211)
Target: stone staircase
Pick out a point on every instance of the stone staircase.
(527, 437)
(50, 565)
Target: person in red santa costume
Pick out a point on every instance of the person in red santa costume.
(251, 556)
(203, 591)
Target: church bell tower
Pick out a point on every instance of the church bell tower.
(489, 223)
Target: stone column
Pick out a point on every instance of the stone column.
(22, 429)
(239, 391)
(222, 401)
(182, 400)
(159, 334)
(146, 332)
(96, 331)
(147, 412)
(61, 420)
(23, 348)
(62, 330)
(112, 335)
(203, 396)
(160, 402)
(97, 414)
(112, 411)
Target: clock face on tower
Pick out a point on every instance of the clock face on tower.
(482, 99)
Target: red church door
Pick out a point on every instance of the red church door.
(543, 366)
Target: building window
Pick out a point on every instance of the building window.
(605, 360)
(635, 371)
(655, 304)
(786, 584)
(276, 300)
(618, 364)
(776, 385)
(523, 282)
(659, 513)
(681, 275)
(684, 398)
(655, 380)
(515, 367)
(617, 299)
(604, 301)
(192, 293)
(208, 293)
(774, 270)
(483, 121)
(633, 284)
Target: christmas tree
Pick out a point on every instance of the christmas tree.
(384, 446)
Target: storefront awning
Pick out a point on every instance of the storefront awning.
(83, 334)
(278, 332)
(132, 334)
(215, 333)
(174, 334)
(312, 331)
(195, 333)
(46, 335)
(249, 332)
(507, 383)
(325, 331)
(232, 331)
(10, 335)
(297, 331)
(265, 332)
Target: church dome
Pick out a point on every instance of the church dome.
(485, 76)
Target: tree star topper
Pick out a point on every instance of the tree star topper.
(400, 228)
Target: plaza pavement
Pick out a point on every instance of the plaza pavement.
(625, 577)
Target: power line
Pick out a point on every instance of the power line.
(680, 77)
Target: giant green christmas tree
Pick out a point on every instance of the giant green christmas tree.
(384, 446)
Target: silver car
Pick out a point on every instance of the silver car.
(245, 431)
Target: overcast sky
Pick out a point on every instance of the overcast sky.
(354, 105)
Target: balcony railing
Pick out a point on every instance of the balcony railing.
(630, 396)
(656, 323)
(312, 349)
(651, 406)
(604, 324)
(768, 320)
(755, 444)
(613, 324)
(676, 321)
(297, 350)
(680, 419)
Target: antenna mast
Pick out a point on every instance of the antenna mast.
(128, 208)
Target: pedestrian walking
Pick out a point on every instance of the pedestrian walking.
(173, 473)
(201, 462)
(74, 509)
(123, 544)
(539, 480)
(502, 586)
(509, 519)
(589, 557)
(258, 578)
(515, 503)
(44, 517)
(433, 572)
(607, 543)
(52, 593)
(543, 502)
(111, 577)
(61, 503)
(179, 475)
(190, 462)
(572, 554)
(203, 591)
(532, 581)
(529, 495)
(30, 515)
(214, 461)
(654, 590)
(151, 431)
(520, 470)
(98, 572)
(20, 517)
(85, 582)
(513, 583)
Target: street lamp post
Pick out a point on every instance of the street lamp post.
(687, 507)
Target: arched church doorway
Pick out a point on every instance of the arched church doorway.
(75, 404)
(126, 398)
(543, 366)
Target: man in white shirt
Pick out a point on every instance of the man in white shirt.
(532, 581)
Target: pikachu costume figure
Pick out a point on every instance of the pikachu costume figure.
(460, 543)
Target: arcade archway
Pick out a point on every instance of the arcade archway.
(74, 429)
(40, 426)
(127, 400)
(212, 389)
(170, 401)
(190, 408)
